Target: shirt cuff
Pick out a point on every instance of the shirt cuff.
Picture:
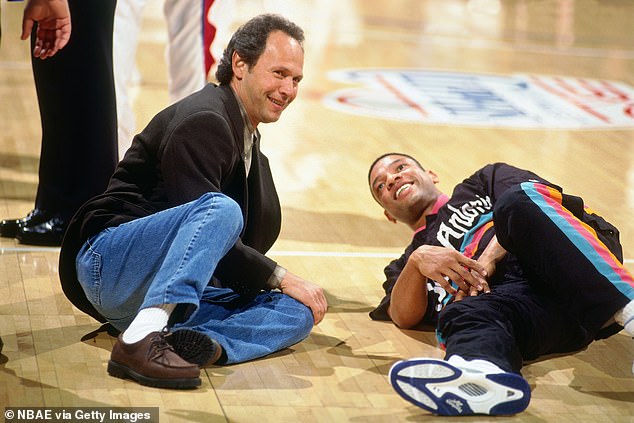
(276, 277)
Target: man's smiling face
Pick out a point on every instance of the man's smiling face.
(403, 188)
(271, 84)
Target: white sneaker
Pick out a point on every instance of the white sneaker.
(625, 318)
(449, 390)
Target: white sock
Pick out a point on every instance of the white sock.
(477, 365)
(625, 317)
(151, 319)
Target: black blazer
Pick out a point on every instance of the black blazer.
(193, 147)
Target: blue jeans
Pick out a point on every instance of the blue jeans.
(170, 258)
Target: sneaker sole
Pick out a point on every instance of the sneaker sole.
(443, 389)
(123, 372)
(195, 347)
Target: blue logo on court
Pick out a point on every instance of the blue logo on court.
(515, 101)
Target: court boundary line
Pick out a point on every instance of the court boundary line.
(272, 253)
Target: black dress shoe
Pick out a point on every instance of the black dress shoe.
(48, 233)
(9, 227)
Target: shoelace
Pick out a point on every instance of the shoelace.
(159, 345)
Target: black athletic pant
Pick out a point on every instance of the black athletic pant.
(76, 97)
(569, 286)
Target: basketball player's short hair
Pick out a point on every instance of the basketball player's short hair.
(391, 154)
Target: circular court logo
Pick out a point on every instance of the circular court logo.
(515, 101)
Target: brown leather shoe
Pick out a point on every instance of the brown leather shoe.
(195, 347)
(152, 362)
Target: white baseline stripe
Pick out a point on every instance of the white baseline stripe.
(350, 254)
(273, 253)
(28, 250)
(331, 254)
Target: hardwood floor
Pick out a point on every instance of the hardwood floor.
(541, 84)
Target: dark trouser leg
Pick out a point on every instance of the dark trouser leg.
(562, 257)
(508, 326)
(76, 97)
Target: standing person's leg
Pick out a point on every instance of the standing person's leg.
(249, 327)
(564, 257)
(153, 271)
(218, 16)
(76, 97)
(184, 52)
(127, 26)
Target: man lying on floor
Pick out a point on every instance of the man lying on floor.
(507, 268)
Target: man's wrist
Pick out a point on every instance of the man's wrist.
(276, 277)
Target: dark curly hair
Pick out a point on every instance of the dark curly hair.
(249, 42)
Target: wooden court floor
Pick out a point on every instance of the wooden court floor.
(333, 233)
